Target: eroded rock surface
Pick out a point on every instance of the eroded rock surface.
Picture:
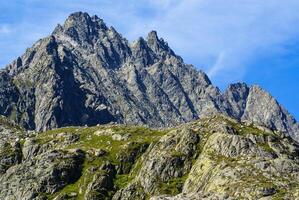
(213, 158)
(86, 73)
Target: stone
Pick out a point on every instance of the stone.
(240, 143)
(85, 60)
(43, 174)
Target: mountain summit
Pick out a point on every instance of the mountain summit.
(86, 73)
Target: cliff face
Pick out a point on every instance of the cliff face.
(86, 73)
(211, 158)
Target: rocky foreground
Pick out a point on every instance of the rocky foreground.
(213, 158)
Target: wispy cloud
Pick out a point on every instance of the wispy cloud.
(201, 30)
(218, 65)
(219, 36)
(4, 29)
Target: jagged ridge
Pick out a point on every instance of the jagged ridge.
(87, 73)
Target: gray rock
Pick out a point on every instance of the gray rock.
(257, 106)
(42, 174)
(10, 154)
(212, 158)
(84, 61)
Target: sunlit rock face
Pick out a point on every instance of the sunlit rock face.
(211, 158)
(86, 73)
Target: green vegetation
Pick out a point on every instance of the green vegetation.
(249, 129)
(240, 128)
(173, 186)
(82, 182)
(7, 151)
(177, 154)
(280, 194)
(9, 124)
(123, 146)
(266, 147)
(228, 160)
(122, 180)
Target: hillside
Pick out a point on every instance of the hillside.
(213, 158)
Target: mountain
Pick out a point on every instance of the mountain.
(212, 158)
(86, 73)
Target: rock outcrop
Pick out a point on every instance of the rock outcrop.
(213, 158)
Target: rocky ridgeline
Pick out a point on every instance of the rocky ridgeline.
(213, 158)
(86, 73)
(236, 145)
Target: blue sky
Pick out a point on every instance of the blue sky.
(233, 40)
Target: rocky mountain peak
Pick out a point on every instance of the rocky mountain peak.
(141, 52)
(159, 46)
(152, 38)
(67, 85)
(86, 73)
(237, 86)
(79, 19)
(82, 28)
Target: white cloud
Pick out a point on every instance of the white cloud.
(4, 29)
(202, 30)
(218, 65)
(219, 36)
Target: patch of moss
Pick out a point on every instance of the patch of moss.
(122, 180)
(281, 193)
(222, 158)
(7, 151)
(173, 186)
(177, 154)
(266, 147)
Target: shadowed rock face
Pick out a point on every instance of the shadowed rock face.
(87, 73)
